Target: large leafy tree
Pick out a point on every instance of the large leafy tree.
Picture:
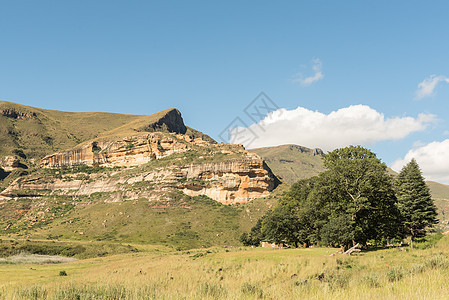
(415, 202)
(352, 201)
(287, 221)
(360, 196)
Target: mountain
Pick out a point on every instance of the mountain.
(139, 178)
(291, 163)
(126, 178)
(31, 133)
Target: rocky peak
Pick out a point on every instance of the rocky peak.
(171, 121)
(317, 151)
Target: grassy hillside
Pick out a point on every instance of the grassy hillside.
(291, 162)
(38, 132)
(438, 190)
(160, 214)
(178, 221)
(440, 194)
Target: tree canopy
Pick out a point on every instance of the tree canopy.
(352, 201)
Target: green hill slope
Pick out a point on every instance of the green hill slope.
(292, 162)
(440, 194)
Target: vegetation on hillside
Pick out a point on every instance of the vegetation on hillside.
(353, 201)
(291, 162)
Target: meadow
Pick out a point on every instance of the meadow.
(158, 272)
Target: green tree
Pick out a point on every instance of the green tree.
(255, 236)
(353, 201)
(280, 224)
(291, 221)
(360, 197)
(415, 202)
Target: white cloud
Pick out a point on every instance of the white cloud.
(427, 86)
(433, 159)
(353, 125)
(318, 75)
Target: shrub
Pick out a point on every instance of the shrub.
(437, 262)
(427, 241)
(62, 273)
(371, 279)
(395, 274)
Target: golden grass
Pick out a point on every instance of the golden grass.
(238, 273)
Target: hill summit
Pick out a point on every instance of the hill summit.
(30, 133)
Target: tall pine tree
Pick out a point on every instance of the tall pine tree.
(414, 201)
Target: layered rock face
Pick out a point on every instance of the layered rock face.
(226, 173)
(126, 152)
(227, 182)
(230, 182)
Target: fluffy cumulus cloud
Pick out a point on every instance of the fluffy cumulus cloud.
(353, 125)
(318, 74)
(427, 87)
(433, 159)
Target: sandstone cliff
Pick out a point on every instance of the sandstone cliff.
(125, 152)
(231, 181)
(149, 166)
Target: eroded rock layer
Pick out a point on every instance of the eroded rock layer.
(126, 152)
(149, 166)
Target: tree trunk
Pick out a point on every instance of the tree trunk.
(352, 249)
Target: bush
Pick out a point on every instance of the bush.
(395, 274)
(437, 262)
(62, 273)
(371, 279)
(428, 241)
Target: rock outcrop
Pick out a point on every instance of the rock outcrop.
(171, 122)
(230, 182)
(227, 182)
(16, 114)
(129, 151)
(226, 173)
(9, 163)
(317, 151)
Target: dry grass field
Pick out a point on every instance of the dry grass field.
(237, 273)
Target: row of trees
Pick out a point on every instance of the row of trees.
(354, 201)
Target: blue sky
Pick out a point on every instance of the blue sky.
(210, 59)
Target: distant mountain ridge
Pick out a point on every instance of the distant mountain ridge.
(292, 162)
